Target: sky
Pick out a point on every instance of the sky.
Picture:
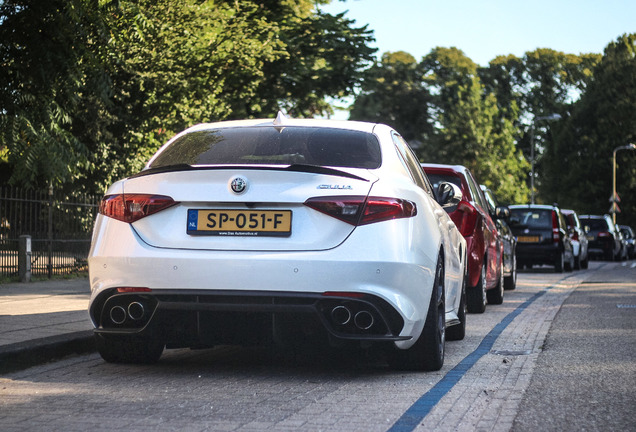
(484, 29)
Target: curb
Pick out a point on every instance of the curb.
(23, 355)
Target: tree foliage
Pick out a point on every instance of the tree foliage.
(90, 89)
(393, 93)
(601, 121)
(541, 83)
(441, 107)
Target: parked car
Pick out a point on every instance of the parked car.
(579, 239)
(500, 214)
(542, 236)
(485, 249)
(630, 239)
(603, 237)
(285, 230)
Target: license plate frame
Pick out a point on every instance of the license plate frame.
(239, 222)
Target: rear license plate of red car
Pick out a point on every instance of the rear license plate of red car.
(221, 222)
(528, 239)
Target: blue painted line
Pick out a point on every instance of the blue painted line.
(420, 409)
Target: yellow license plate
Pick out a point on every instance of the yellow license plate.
(239, 222)
(528, 239)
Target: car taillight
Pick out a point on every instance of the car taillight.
(132, 207)
(556, 234)
(360, 210)
(465, 218)
(604, 234)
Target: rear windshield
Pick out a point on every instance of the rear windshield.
(531, 218)
(436, 179)
(595, 224)
(273, 146)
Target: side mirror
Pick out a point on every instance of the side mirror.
(448, 194)
(502, 212)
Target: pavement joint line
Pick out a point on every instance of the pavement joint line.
(420, 408)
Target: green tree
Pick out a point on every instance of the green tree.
(540, 83)
(90, 89)
(443, 110)
(324, 56)
(602, 120)
(394, 93)
(471, 130)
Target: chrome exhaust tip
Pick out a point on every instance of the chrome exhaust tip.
(136, 311)
(341, 315)
(363, 320)
(118, 314)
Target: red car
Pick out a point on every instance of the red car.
(485, 247)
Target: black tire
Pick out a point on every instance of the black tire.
(510, 282)
(458, 331)
(128, 349)
(495, 295)
(476, 296)
(427, 354)
(559, 262)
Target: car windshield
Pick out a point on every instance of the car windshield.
(531, 218)
(273, 146)
(436, 179)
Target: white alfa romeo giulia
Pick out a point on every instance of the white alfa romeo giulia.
(260, 231)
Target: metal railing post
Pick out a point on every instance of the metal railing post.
(24, 258)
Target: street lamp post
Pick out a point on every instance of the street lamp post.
(614, 198)
(549, 117)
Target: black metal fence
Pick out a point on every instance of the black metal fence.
(60, 227)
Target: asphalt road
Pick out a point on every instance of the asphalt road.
(557, 355)
(585, 377)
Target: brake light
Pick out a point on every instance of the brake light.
(604, 234)
(360, 210)
(132, 207)
(556, 234)
(382, 209)
(465, 218)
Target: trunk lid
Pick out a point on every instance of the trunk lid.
(212, 213)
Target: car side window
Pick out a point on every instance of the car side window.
(562, 221)
(491, 202)
(475, 191)
(411, 163)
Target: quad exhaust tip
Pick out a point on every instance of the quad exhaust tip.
(118, 314)
(363, 320)
(135, 312)
(341, 315)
